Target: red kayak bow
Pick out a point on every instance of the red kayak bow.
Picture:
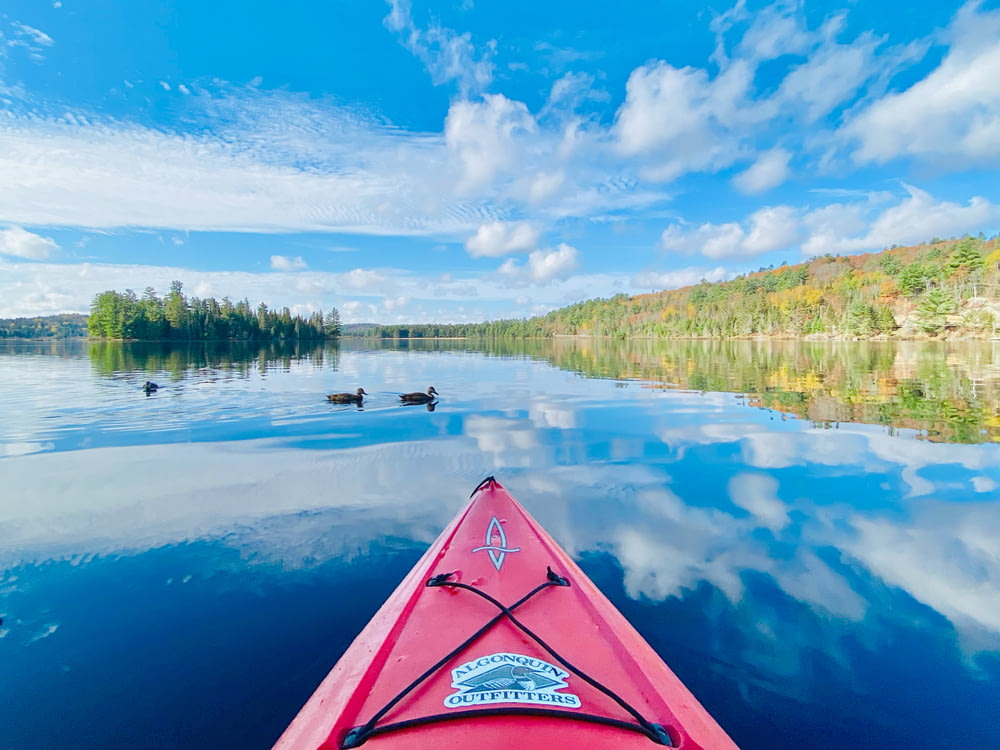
(496, 639)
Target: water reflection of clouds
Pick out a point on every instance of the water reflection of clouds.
(546, 412)
(23, 449)
(941, 553)
(667, 546)
(945, 556)
(775, 503)
(138, 497)
(758, 495)
(509, 442)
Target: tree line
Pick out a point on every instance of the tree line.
(494, 329)
(124, 315)
(66, 326)
(923, 289)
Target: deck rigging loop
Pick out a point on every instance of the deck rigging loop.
(359, 735)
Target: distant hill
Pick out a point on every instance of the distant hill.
(357, 329)
(66, 326)
(943, 288)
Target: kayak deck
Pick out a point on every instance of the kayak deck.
(494, 638)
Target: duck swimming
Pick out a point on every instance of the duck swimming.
(150, 387)
(347, 398)
(419, 398)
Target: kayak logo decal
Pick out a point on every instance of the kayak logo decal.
(496, 543)
(509, 678)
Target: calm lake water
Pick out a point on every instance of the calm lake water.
(809, 534)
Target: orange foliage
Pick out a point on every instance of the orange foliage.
(888, 288)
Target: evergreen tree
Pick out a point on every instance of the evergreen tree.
(933, 310)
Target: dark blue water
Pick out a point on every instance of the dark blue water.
(181, 570)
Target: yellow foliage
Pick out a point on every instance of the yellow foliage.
(800, 382)
(796, 297)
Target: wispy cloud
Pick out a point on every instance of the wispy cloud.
(32, 40)
(769, 171)
(953, 113)
(448, 55)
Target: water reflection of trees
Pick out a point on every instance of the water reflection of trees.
(236, 358)
(948, 392)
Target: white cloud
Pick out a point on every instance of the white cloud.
(286, 263)
(366, 279)
(774, 228)
(204, 288)
(355, 311)
(847, 227)
(952, 113)
(916, 218)
(679, 119)
(165, 86)
(501, 238)
(679, 278)
(544, 266)
(768, 229)
(775, 31)
(23, 244)
(394, 304)
(769, 171)
(483, 137)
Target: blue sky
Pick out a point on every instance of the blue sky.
(459, 160)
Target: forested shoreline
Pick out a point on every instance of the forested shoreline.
(944, 288)
(175, 317)
(939, 289)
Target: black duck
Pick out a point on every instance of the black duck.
(419, 398)
(347, 398)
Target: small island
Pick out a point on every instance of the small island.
(124, 316)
